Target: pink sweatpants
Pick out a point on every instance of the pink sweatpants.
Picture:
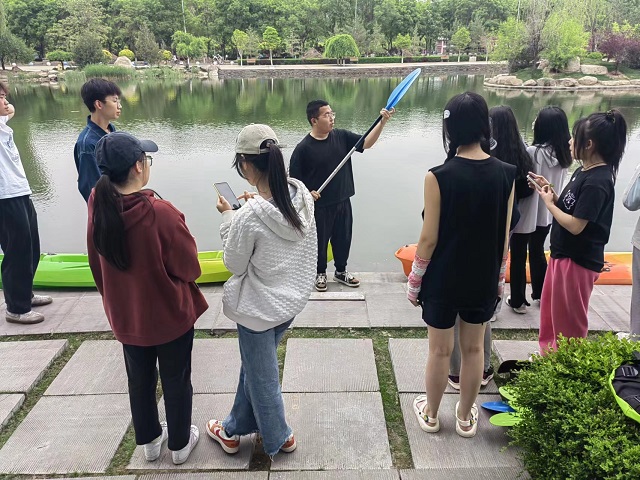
(564, 304)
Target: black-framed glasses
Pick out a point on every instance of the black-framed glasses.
(149, 159)
(329, 115)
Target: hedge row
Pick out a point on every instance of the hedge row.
(333, 61)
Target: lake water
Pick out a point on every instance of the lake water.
(195, 124)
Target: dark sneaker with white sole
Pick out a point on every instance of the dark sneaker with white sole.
(321, 282)
(346, 279)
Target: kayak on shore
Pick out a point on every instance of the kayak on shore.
(616, 270)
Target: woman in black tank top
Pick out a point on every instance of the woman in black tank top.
(461, 256)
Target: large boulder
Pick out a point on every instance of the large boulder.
(573, 66)
(568, 82)
(546, 82)
(510, 80)
(542, 64)
(124, 62)
(634, 82)
(594, 69)
(587, 80)
(615, 83)
(530, 83)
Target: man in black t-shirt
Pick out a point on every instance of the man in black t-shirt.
(313, 160)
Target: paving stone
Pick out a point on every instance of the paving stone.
(611, 312)
(329, 365)
(208, 476)
(331, 314)
(504, 473)
(514, 349)
(216, 365)
(409, 360)
(122, 477)
(86, 315)
(359, 434)
(337, 475)
(54, 313)
(345, 296)
(622, 290)
(208, 319)
(393, 310)
(22, 364)
(446, 449)
(67, 434)
(96, 368)
(624, 302)
(9, 404)
(207, 454)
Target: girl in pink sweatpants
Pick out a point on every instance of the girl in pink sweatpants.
(582, 216)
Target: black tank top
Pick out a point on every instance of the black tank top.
(465, 265)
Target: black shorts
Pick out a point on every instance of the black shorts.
(443, 316)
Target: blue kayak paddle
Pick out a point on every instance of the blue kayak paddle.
(393, 100)
(500, 407)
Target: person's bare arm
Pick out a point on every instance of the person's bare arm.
(372, 138)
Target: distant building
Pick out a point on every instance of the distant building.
(442, 45)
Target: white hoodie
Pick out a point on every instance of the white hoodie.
(273, 264)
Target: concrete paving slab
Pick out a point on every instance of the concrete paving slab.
(446, 449)
(393, 310)
(346, 296)
(622, 290)
(409, 360)
(223, 324)
(504, 473)
(611, 312)
(67, 434)
(514, 349)
(337, 475)
(208, 476)
(624, 302)
(216, 365)
(54, 313)
(86, 315)
(207, 454)
(331, 314)
(329, 365)
(121, 477)
(358, 416)
(9, 404)
(96, 368)
(22, 364)
(208, 319)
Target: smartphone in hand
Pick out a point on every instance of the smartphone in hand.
(535, 184)
(224, 190)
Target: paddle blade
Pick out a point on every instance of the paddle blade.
(504, 419)
(402, 88)
(497, 407)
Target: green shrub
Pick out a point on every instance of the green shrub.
(571, 425)
(165, 55)
(125, 52)
(59, 56)
(107, 56)
(111, 71)
(594, 56)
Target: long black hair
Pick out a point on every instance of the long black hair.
(271, 166)
(109, 236)
(466, 121)
(551, 129)
(607, 131)
(510, 147)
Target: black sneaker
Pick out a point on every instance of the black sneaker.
(487, 376)
(346, 279)
(321, 282)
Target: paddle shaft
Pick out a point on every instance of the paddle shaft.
(358, 144)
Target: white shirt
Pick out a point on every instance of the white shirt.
(533, 212)
(13, 181)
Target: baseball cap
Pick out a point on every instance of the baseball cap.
(252, 136)
(116, 152)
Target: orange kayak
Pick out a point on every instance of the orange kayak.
(616, 270)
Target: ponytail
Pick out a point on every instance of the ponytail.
(109, 237)
(280, 187)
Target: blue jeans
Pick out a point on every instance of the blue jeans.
(258, 406)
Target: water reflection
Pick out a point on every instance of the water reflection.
(195, 124)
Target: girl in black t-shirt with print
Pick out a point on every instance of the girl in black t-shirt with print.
(582, 216)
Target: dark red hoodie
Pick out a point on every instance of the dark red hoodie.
(156, 299)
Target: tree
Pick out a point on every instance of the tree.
(240, 39)
(31, 19)
(403, 42)
(341, 47)
(13, 49)
(271, 41)
(564, 39)
(146, 46)
(511, 42)
(188, 46)
(83, 17)
(615, 47)
(88, 50)
(461, 40)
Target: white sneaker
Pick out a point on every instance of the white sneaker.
(522, 309)
(39, 300)
(180, 456)
(623, 335)
(152, 449)
(28, 318)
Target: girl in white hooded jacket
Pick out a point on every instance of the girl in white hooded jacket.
(270, 247)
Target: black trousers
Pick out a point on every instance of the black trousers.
(174, 360)
(335, 224)
(537, 264)
(20, 243)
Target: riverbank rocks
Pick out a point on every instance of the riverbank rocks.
(546, 82)
(123, 62)
(573, 65)
(542, 64)
(587, 80)
(510, 80)
(615, 83)
(634, 82)
(594, 69)
(568, 82)
(530, 83)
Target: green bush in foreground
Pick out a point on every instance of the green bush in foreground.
(572, 427)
